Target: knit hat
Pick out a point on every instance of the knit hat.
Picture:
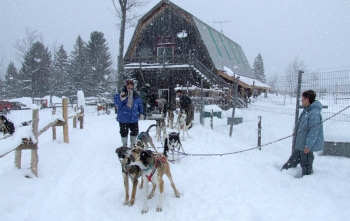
(129, 81)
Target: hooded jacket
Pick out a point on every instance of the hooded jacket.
(126, 114)
(310, 128)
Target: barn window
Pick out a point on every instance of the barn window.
(165, 48)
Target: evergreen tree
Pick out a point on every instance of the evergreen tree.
(60, 81)
(36, 70)
(100, 64)
(258, 69)
(11, 83)
(79, 68)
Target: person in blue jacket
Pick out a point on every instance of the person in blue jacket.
(309, 134)
(130, 109)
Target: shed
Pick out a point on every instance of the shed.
(238, 118)
(209, 109)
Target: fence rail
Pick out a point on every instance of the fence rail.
(32, 144)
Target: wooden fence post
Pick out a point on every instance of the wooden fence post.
(81, 118)
(211, 119)
(259, 133)
(34, 158)
(53, 127)
(18, 157)
(65, 118)
(75, 118)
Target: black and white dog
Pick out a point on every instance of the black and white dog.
(172, 141)
(181, 124)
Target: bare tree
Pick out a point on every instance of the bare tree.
(273, 82)
(291, 72)
(23, 45)
(127, 14)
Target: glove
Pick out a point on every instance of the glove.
(122, 94)
(142, 117)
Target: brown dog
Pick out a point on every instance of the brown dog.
(153, 167)
(129, 171)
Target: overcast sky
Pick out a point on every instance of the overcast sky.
(318, 31)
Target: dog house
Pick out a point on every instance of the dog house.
(336, 140)
(212, 109)
(238, 118)
(337, 149)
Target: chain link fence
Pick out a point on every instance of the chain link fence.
(278, 112)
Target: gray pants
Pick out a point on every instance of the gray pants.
(305, 160)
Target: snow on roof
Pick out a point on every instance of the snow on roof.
(238, 113)
(193, 87)
(246, 80)
(215, 108)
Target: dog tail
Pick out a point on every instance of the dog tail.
(166, 148)
(149, 128)
(189, 125)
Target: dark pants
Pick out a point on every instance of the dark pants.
(125, 127)
(144, 106)
(305, 160)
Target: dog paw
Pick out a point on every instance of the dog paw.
(159, 209)
(131, 203)
(144, 210)
(150, 196)
(177, 195)
(126, 203)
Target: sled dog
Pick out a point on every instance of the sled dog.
(171, 142)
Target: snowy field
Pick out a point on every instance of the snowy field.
(82, 180)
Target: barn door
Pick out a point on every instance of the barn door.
(163, 93)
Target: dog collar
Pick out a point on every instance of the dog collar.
(149, 167)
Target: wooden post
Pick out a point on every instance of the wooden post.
(54, 127)
(75, 118)
(211, 120)
(34, 158)
(259, 133)
(81, 119)
(18, 157)
(65, 118)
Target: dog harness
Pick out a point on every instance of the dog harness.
(127, 173)
(159, 158)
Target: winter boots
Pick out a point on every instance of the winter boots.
(293, 160)
(305, 161)
(132, 140)
(125, 141)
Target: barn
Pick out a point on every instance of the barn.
(171, 48)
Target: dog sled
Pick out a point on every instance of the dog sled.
(154, 116)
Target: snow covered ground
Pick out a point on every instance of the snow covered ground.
(82, 180)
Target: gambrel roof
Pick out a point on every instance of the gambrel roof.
(221, 50)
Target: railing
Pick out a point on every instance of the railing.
(29, 144)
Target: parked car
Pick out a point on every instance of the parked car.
(5, 106)
(16, 105)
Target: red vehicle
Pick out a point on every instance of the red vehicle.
(43, 103)
(5, 105)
